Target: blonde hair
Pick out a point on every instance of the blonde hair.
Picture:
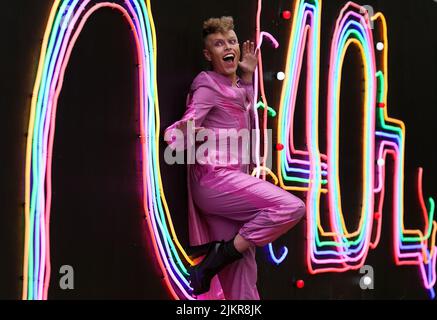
(214, 25)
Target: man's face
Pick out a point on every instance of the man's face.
(223, 51)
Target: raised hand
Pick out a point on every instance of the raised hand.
(249, 58)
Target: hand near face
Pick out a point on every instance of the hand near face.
(249, 58)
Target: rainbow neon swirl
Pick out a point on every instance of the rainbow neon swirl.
(66, 21)
(339, 249)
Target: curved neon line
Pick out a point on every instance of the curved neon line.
(58, 43)
(333, 248)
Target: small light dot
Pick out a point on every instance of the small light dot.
(286, 15)
(280, 76)
(300, 284)
(381, 162)
(379, 46)
(367, 280)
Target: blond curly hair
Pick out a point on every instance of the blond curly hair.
(214, 25)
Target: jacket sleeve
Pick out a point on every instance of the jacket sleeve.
(249, 90)
(252, 123)
(199, 102)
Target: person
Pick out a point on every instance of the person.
(230, 211)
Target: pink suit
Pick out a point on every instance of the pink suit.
(223, 198)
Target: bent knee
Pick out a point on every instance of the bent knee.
(291, 209)
(296, 208)
(301, 211)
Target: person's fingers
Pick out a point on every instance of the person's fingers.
(252, 47)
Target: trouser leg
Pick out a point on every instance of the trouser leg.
(233, 202)
(263, 210)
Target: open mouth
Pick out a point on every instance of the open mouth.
(229, 58)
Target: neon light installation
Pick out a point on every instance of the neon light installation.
(339, 249)
(336, 250)
(66, 21)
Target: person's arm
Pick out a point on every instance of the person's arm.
(252, 131)
(199, 103)
(247, 68)
(248, 86)
(247, 78)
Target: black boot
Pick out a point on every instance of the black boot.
(197, 251)
(220, 255)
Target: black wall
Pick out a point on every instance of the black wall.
(97, 225)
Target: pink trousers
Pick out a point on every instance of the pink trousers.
(233, 202)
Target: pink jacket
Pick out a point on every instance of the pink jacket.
(214, 104)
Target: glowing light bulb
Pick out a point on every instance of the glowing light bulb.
(367, 280)
(379, 46)
(280, 76)
(300, 284)
(286, 15)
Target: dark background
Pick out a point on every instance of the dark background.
(97, 225)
